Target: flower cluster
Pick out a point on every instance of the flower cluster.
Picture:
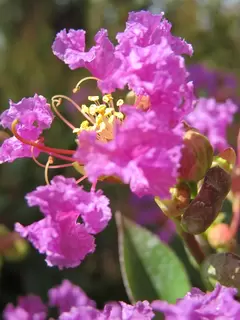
(139, 144)
(72, 304)
(219, 304)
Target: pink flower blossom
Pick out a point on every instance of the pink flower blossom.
(64, 241)
(144, 154)
(33, 115)
(28, 308)
(67, 295)
(212, 119)
(218, 304)
(59, 235)
(99, 60)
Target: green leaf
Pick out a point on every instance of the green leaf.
(150, 269)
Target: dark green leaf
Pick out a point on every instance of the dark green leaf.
(150, 269)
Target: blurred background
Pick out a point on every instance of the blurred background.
(27, 66)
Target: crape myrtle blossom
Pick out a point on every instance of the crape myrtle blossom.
(139, 144)
(33, 115)
(28, 308)
(196, 305)
(143, 154)
(67, 295)
(212, 119)
(59, 235)
(147, 59)
(73, 304)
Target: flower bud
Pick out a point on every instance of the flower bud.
(197, 156)
(181, 195)
(204, 209)
(223, 268)
(226, 159)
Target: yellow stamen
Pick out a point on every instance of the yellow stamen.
(108, 112)
(77, 87)
(107, 97)
(93, 98)
(92, 109)
(99, 119)
(50, 161)
(111, 119)
(119, 115)
(101, 109)
(84, 125)
(85, 109)
(120, 102)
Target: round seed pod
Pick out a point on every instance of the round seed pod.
(223, 268)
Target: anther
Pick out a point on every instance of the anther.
(120, 102)
(108, 112)
(107, 97)
(93, 98)
(101, 109)
(85, 109)
(92, 109)
(119, 115)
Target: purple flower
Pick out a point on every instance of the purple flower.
(196, 305)
(99, 60)
(212, 119)
(141, 311)
(12, 148)
(144, 28)
(147, 59)
(64, 241)
(28, 308)
(144, 154)
(121, 311)
(86, 313)
(63, 195)
(150, 58)
(67, 295)
(30, 112)
(59, 235)
(33, 115)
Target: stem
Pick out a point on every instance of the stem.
(193, 246)
(190, 242)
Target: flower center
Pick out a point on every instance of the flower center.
(102, 117)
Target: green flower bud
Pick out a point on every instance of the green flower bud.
(197, 156)
(226, 160)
